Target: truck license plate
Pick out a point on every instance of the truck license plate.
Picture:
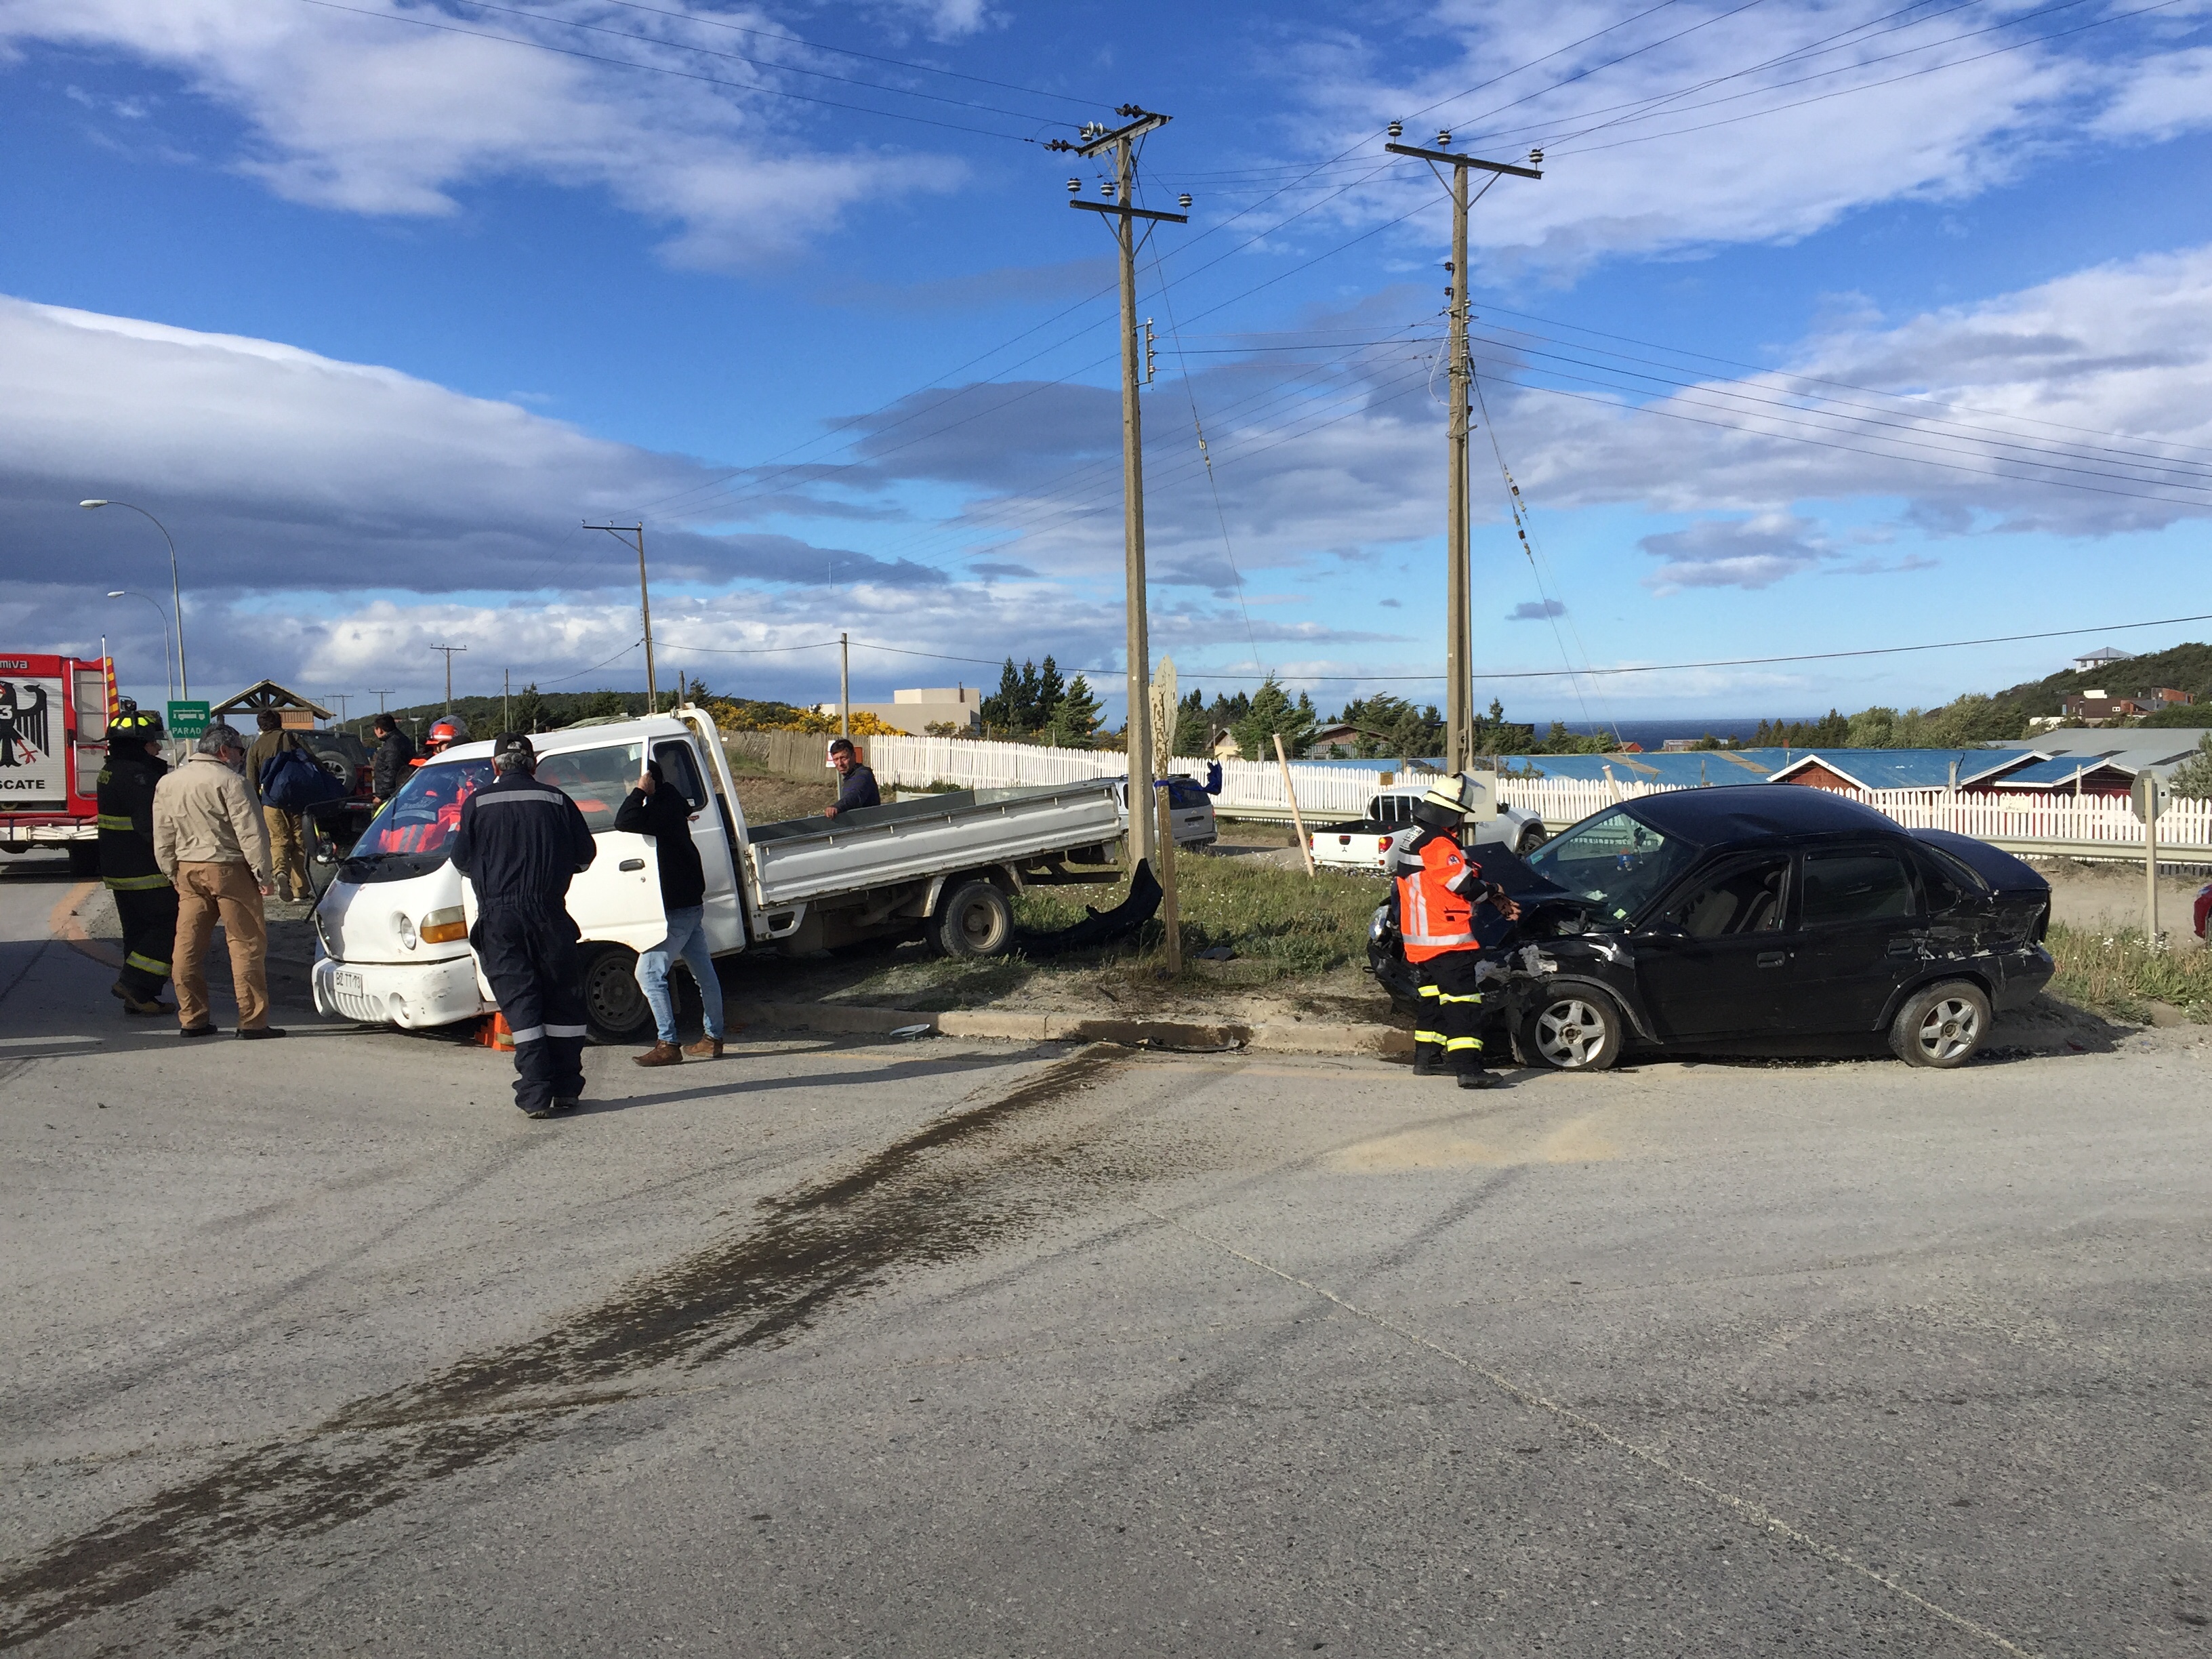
(346, 981)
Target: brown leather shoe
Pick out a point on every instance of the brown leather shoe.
(661, 1053)
(706, 1048)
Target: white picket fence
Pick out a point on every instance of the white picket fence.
(2088, 826)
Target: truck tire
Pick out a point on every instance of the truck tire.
(84, 858)
(614, 1008)
(1941, 1026)
(1572, 1028)
(973, 919)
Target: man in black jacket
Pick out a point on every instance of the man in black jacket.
(145, 903)
(519, 842)
(856, 784)
(394, 749)
(658, 809)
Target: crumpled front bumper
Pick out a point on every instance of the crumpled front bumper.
(411, 994)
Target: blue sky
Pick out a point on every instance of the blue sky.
(373, 313)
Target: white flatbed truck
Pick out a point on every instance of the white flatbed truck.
(392, 927)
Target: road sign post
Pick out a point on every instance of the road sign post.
(2149, 798)
(188, 721)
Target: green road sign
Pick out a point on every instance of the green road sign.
(187, 720)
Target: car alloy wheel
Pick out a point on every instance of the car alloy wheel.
(1949, 1031)
(1576, 1033)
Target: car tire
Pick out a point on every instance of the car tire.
(1572, 1029)
(1941, 1026)
(614, 1008)
(972, 919)
(84, 858)
(1531, 838)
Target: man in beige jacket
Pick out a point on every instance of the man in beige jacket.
(209, 841)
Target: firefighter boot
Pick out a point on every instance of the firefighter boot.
(1475, 1078)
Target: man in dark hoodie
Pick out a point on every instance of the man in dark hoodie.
(657, 809)
(394, 750)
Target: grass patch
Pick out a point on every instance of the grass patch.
(2118, 973)
(1283, 919)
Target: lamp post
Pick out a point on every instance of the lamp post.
(176, 593)
(169, 665)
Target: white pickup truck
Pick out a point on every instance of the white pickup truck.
(392, 928)
(1364, 845)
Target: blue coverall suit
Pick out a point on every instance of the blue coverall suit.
(519, 842)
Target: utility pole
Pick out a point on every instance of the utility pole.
(381, 692)
(644, 604)
(844, 686)
(1144, 842)
(449, 650)
(1459, 620)
(507, 700)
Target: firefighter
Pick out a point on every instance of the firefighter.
(1439, 887)
(144, 900)
(519, 842)
(444, 731)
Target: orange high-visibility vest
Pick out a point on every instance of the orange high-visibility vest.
(1433, 916)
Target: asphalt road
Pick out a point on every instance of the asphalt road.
(845, 1347)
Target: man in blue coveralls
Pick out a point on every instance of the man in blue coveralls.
(519, 842)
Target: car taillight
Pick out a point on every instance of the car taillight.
(1383, 845)
(443, 927)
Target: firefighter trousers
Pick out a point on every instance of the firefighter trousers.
(149, 915)
(535, 974)
(1449, 1035)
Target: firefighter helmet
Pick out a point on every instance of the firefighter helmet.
(446, 731)
(1445, 805)
(134, 725)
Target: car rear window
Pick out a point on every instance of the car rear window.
(1855, 885)
(597, 779)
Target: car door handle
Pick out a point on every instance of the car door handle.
(1772, 958)
(631, 864)
(1903, 947)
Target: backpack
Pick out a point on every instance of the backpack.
(292, 780)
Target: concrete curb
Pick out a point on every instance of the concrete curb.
(1380, 1041)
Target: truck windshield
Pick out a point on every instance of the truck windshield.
(1615, 860)
(416, 822)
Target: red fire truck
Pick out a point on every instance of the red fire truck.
(53, 738)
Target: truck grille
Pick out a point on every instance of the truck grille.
(355, 1003)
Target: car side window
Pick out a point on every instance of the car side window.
(678, 769)
(1949, 882)
(1182, 796)
(1854, 885)
(1744, 898)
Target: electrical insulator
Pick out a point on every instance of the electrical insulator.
(1106, 190)
(1184, 200)
(1075, 187)
(1443, 138)
(1397, 129)
(1535, 158)
(1148, 351)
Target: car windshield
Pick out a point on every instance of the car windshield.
(422, 817)
(1615, 860)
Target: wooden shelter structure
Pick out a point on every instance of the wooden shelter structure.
(297, 713)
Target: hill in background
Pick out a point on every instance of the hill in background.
(2184, 667)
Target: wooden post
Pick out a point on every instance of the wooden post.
(1162, 694)
(2150, 871)
(1290, 794)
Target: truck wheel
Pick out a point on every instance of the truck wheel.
(84, 858)
(615, 1007)
(1570, 1029)
(973, 919)
(1941, 1026)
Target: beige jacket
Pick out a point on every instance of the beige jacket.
(203, 813)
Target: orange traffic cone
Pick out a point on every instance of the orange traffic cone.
(494, 1032)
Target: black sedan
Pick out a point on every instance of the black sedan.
(1762, 918)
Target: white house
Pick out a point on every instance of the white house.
(2103, 656)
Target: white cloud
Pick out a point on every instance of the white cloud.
(1940, 136)
(368, 115)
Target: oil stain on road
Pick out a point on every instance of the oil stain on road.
(971, 1179)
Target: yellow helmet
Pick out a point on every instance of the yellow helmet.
(135, 723)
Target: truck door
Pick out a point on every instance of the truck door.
(1859, 924)
(618, 898)
(1716, 961)
(679, 770)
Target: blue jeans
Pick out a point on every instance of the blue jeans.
(686, 939)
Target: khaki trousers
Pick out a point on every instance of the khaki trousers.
(203, 892)
(288, 855)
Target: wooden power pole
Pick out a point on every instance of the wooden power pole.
(1459, 616)
(644, 604)
(1122, 142)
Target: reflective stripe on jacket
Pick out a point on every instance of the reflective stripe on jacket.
(1433, 916)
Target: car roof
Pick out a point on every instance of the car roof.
(1755, 811)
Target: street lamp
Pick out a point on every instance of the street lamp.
(176, 595)
(169, 666)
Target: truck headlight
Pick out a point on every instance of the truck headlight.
(403, 925)
(444, 926)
